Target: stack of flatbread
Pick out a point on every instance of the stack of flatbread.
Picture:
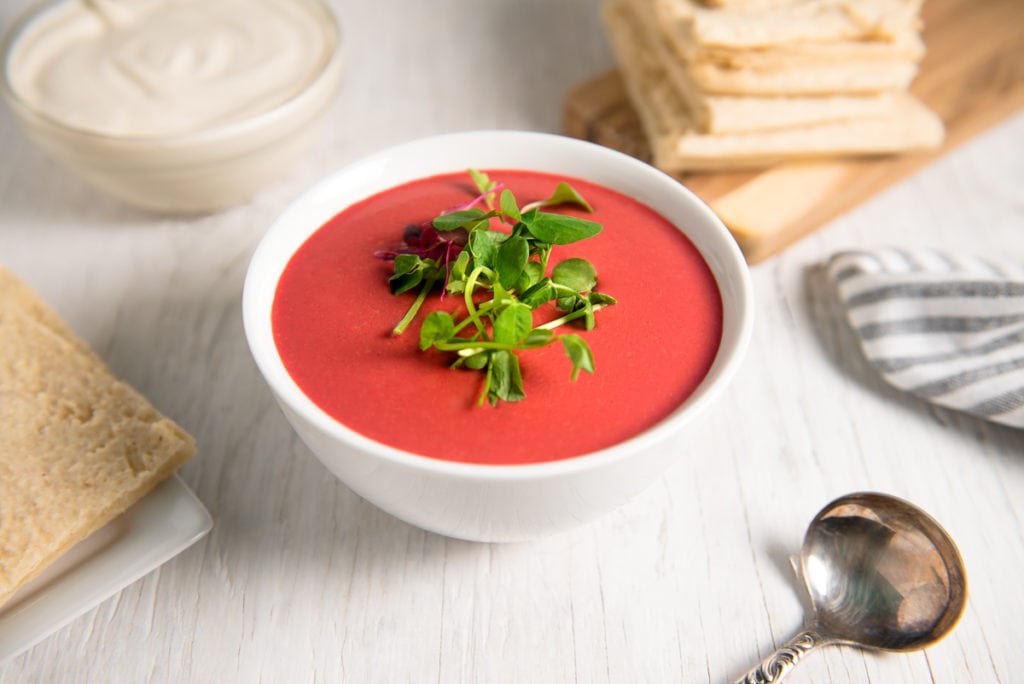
(77, 446)
(722, 84)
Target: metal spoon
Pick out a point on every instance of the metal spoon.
(881, 574)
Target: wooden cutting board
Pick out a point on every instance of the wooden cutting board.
(972, 76)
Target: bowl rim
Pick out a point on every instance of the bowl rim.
(260, 284)
(328, 68)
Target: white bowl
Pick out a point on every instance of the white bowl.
(187, 173)
(496, 502)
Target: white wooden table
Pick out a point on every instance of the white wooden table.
(300, 580)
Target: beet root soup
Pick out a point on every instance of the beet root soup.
(334, 312)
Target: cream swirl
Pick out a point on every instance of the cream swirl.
(168, 67)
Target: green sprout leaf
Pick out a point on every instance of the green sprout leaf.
(557, 229)
(482, 181)
(409, 272)
(578, 351)
(458, 273)
(438, 326)
(483, 245)
(576, 274)
(513, 324)
(505, 378)
(588, 315)
(511, 260)
(532, 274)
(538, 337)
(566, 194)
(508, 205)
(459, 219)
(477, 361)
(538, 294)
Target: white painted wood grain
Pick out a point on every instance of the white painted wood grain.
(300, 580)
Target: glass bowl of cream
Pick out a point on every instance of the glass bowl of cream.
(178, 106)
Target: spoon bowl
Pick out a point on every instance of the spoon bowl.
(881, 574)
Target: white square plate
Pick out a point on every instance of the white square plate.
(160, 526)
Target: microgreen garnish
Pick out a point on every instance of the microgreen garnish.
(461, 252)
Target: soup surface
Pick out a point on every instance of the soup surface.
(333, 313)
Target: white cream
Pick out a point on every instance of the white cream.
(182, 106)
(167, 67)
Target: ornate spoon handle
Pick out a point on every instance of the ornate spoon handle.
(776, 666)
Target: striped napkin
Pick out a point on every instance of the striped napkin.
(945, 327)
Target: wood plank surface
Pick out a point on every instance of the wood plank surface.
(972, 76)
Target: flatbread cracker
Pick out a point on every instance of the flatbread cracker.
(855, 67)
(908, 45)
(821, 21)
(77, 446)
(676, 146)
(717, 113)
(749, 4)
(810, 77)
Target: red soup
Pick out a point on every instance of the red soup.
(333, 313)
